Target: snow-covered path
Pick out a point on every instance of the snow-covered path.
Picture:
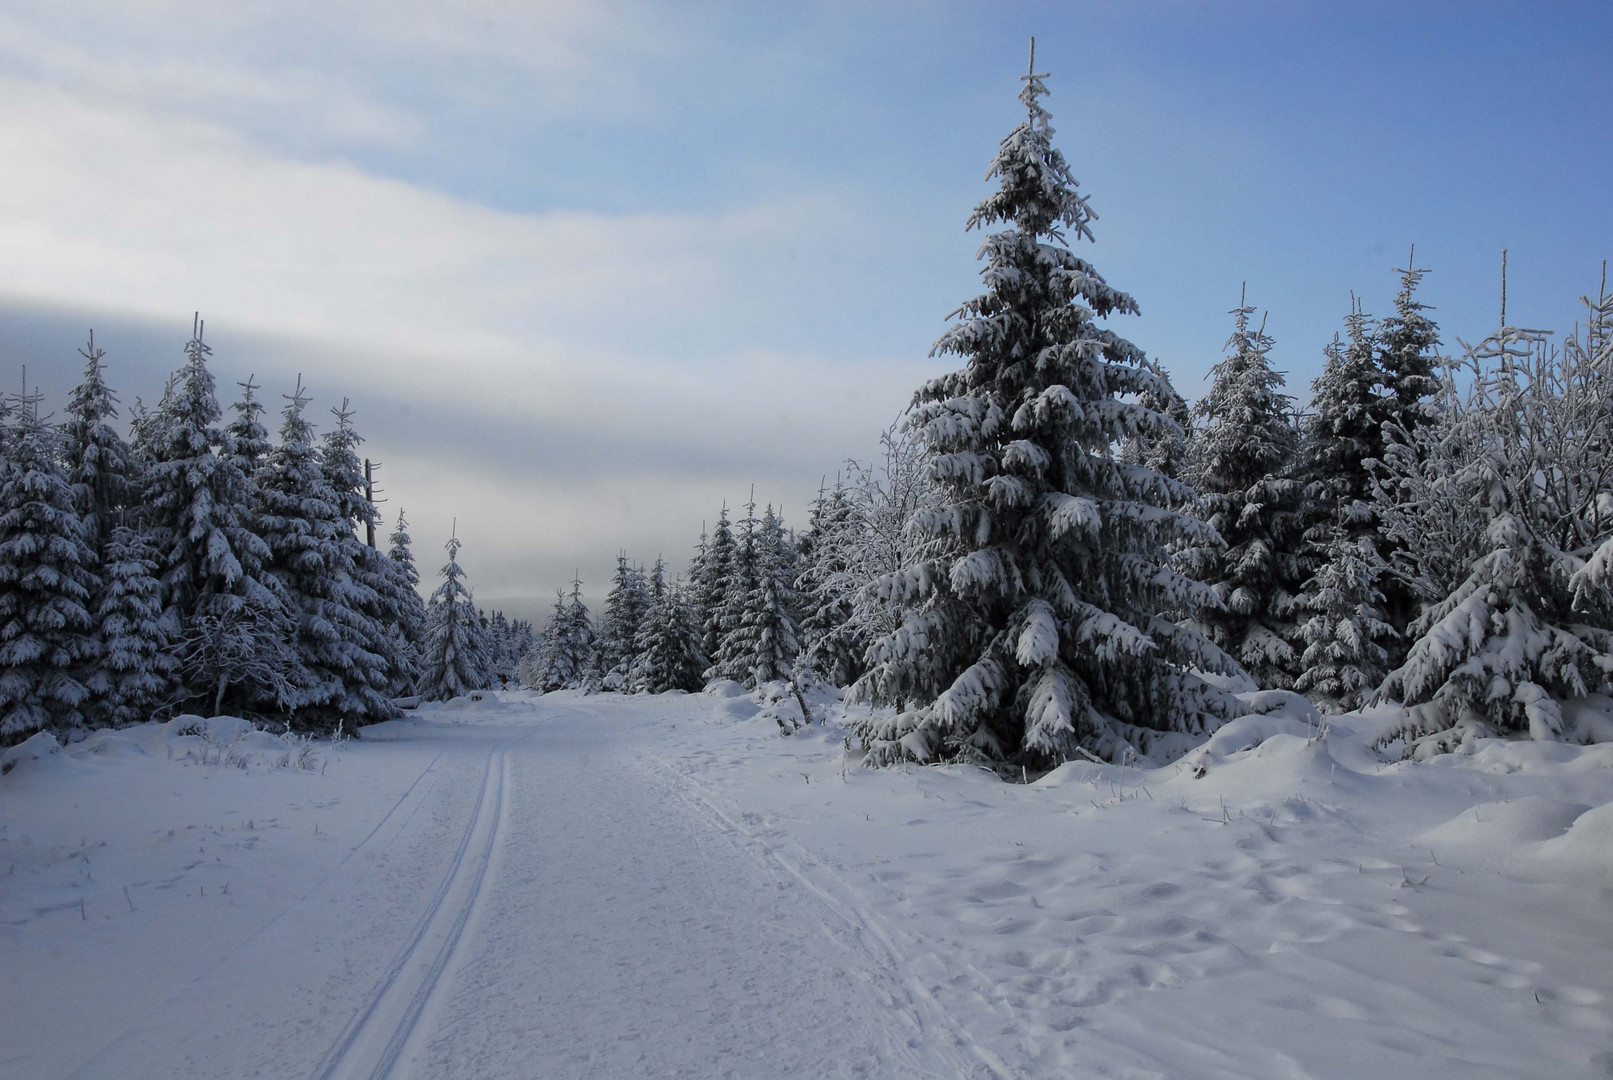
(537, 900)
(624, 938)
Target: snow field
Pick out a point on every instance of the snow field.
(608, 886)
(1302, 909)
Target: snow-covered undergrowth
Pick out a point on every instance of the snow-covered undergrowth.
(1283, 901)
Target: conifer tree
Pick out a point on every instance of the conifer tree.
(1342, 431)
(209, 561)
(1033, 627)
(618, 631)
(569, 647)
(768, 627)
(137, 665)
(1245, 457)
(668, 644)
(1408, 356)
(302, 527)
(409, 631)
(735, 651)
(246, 436)
(709, 582)
(832, 644)
(378, 598)
(47, 578)
(1342, 605)
(101, 467)
(453, 664)
(1344, 659)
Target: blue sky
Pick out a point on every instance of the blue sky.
(587, 269)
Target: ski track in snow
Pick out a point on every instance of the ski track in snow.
(391, 1017)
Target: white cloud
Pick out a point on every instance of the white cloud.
(634, 352)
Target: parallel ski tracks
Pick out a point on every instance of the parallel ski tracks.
(388, 1028)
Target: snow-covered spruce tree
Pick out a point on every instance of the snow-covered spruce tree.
(831, 645)
(765, 641)
(137, 664)
(1344, 659)
(1342, 431)
(1035, 632)
(1343, 623)
(568, 648)
(379, 597)
(498, 644)
(708, 579)
(734, 653)
(668, 645)
(1531, 624)
(408, 632)
(453, 664)
(210, 562)
(47, 578)
(1408, 357)
(1244, 458)
(101, 467)
(618, 630)
(248, 439)
(303, 527)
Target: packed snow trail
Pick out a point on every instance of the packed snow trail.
(626, 940)
(532, 901)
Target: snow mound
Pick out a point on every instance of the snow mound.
(1587, 846)
(1503, 826)
(32, 754)
(108, 743)
(1248, 732)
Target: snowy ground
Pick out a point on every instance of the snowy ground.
(601, 886)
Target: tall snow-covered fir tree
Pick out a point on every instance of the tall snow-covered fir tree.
(210, 562)
(1408, 356)
(409, 631)
(1530, 626)
(302, 527)
(1342, 430)
(1342, 618)
(247, 438)
(618, 629)
(568, 651)
(1036, 631)
(668, 644)
(708, 579)
(734, 655)
(769, 621)
(1245, 455)
(47, 579)
(453, 664)
(379, 598)
(101, 467)
(832, 645)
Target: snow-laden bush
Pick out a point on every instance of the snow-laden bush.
(1503, 507)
